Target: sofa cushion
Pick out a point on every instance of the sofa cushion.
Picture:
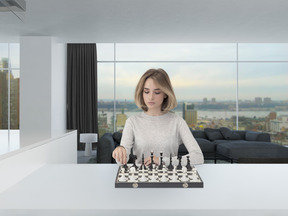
(216, 142)
(198, 134)
(241, 133)
(257, 136)
(228, 134)
(213, 134)
(205, 145)
(242, 149)
(117, 137)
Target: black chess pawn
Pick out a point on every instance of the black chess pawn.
(143, 167)
(161, 161)
(134, 162)
(188, 166)
(152, 161)
(179, 167)
(170, 166)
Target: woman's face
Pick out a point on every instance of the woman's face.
(153, 96)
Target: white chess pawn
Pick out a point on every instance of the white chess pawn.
(164, 178)
(153, 178)
(122, 178)
(174, 177)
(184, 169)
(143, 178)
(132, 178)
(184, 178)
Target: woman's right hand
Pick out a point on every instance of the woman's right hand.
(119, 154)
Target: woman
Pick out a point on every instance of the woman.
(156, 129)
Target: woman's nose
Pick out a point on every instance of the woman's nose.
(151, 96)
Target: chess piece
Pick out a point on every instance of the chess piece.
(164, 178)
(132, 178)
(179, 167)
(125, 167)
(152, 161)
(153, 178)
(170, 167)
(143, 167)
(123, 177)
(134, 161)
(184, 178)
(161, 161)
(188, 166)
(143, 178)
(174, 177)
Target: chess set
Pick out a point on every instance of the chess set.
(158, 176)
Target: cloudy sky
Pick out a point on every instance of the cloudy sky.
(198, 70)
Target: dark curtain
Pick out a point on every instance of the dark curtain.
(82, 89)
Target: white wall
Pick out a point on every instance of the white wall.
(58, 88)
(42, 89)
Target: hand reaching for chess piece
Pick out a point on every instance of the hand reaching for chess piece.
(119, 154)
(147, 161)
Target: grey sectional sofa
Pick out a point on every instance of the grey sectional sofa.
(236, 146)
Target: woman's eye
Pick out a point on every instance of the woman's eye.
(157, 93)
(146, 92)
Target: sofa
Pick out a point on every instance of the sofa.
(225, 144)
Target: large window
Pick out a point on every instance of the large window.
(9, 97)
(240, 86)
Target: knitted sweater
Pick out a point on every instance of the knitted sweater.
(164, 133)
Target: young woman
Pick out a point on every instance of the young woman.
(156, 129)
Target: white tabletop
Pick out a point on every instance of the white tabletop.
(89, 189)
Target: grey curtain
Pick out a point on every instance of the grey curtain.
(82, 89)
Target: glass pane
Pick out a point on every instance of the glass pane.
(3, 53)
(15, 55)
(3, 110)
(14, 99)
(263, 93)
(105, 97)
(209, 87)
(263, 52)
(105, 52)
(176, 52)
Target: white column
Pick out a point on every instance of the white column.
(42, 93)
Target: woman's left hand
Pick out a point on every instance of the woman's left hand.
(147, 161)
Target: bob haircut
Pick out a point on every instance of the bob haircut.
(161, 79)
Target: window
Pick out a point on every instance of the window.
(9, 97)
(216, 85)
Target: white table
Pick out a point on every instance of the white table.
(88, 189)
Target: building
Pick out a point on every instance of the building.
(189, 114)
(267, 101)
(258, 101)
(280, 124)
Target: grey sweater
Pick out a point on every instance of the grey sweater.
(164, 133)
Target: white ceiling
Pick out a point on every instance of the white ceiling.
(150, 21)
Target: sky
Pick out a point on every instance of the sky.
(198, 70)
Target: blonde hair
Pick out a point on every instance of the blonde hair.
(161, 78)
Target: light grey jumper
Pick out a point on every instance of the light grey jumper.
(164, 133)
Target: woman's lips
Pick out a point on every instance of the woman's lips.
(151, 103)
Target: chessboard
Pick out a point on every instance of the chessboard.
(134, 176)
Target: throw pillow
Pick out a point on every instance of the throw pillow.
(213, 134)
(229, 135)
(117, 137)
(226, 132)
